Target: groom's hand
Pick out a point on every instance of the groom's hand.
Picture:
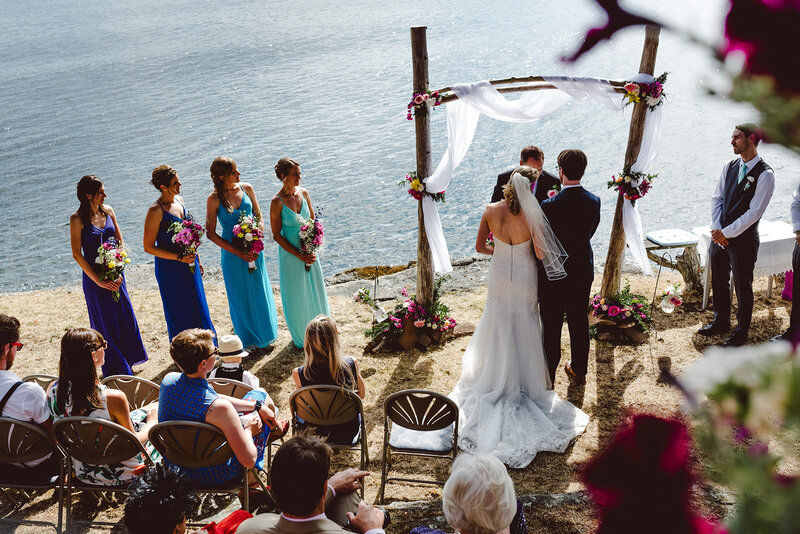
(718, 237)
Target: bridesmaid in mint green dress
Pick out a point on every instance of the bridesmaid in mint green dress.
(250, 299)
(303, 292)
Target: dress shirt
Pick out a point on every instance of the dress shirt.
(795, 209)
(568, 186)
(765, 186)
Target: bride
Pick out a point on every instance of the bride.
(505, 396)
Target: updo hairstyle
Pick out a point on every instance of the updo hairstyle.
(508, 190)
(283, 167)
(163, 175)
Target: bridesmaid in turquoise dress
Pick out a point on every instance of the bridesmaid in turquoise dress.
(303, 293)
(250, 299)
(90, 226)
(182, 292)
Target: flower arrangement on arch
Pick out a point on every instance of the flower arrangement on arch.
(623, 308)
(112, 257)
(417, 189)
(188, 236)
(632, 185)
(652, 93)
(429, 98)
(437, 318)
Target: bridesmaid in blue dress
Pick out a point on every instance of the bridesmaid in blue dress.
(303, 293)
(250, 299)
(89, 227)
(182, 291)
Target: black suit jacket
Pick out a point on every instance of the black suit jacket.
(574, 214)
(545, 183)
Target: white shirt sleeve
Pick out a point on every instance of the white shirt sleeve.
(716, 200)
(35, 403)
(250, 379)
(795, 209)
(764, 189)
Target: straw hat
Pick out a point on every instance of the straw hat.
(230, 346)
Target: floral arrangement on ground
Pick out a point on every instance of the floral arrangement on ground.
(625, 315)
(410, 315)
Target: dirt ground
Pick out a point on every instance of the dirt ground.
(621, 380)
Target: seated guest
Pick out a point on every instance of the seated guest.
(161, 503)
(231, 353)
(479, 498)
(325, 365)
(25, 401)
(187, 396)
(78, 392)
(311, 502)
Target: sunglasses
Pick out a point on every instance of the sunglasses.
(17, 344)
(103, 345)
(214, 353)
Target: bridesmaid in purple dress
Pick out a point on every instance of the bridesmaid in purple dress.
(91, 225)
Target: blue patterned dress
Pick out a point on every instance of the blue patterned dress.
(182, 292)
(115, 320)
(250, 299)
(187, 399)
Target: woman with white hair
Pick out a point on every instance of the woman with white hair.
(479, 497)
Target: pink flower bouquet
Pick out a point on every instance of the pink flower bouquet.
(311, 237)
(187, 235)
(112, 257)
(248, 237)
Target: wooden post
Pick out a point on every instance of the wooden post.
(612, 273)
(419, 57)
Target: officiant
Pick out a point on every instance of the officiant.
(531, 156)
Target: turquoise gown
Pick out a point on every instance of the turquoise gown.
(250, 299)
(302, 292)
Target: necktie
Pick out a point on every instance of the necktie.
(742, 172)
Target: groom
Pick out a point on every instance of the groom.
(574, 214)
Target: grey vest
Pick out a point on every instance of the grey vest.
(738, 196)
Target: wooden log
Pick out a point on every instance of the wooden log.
(612, 273)
(419, 58)
(688, 264)
(450, 97)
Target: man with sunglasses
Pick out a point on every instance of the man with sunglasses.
(24, 401)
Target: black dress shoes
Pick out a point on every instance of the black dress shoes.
(737, 339)
(714, 329)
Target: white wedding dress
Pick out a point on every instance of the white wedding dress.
(505, 405)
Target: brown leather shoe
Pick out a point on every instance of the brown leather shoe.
(575, 378)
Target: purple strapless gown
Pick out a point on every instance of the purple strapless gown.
(115, 320)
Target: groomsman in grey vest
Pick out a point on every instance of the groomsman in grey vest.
(740, 199)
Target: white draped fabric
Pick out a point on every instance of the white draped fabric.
(482, 97)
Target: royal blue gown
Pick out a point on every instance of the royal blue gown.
(303, 293)
(182, 292)
(115, 320)
(250, 299)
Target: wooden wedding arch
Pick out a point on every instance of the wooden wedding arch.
(616, 246)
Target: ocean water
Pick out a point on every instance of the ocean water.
(117, 88)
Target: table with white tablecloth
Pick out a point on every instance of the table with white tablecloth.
(774, 252)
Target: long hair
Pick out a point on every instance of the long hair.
(221, 167)
(88, 185)
(77, 375)
(322, 346)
